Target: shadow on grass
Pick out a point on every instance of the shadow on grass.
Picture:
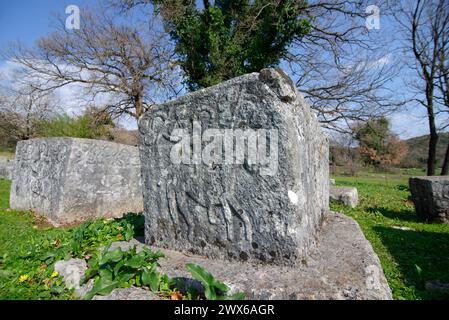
(403, 215)
(421, 256)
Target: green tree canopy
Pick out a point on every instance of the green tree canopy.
(231, 37)
(374, 134)
(377, 144)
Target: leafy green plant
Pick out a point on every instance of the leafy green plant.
(213, 289)
(84, 126)
(93, 234)
(112, 269)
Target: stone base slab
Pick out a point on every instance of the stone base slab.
(341, 266)
(347, 196)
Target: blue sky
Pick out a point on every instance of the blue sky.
(28, 20)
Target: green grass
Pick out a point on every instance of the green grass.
(8, 154)
(29, 248)
(409, 257)
(20, 244)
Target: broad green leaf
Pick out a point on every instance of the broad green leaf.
(118, 266)
(129, 233)
(151, 278)
(200, 274)
(210, 293)
(112, 256)
(105, 273)
(102, 287)
(135, 262)
(124, 277)
(206, 278)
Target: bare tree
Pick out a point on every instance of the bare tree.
(130, 63)
(341, 67)
(22, 107)
(425, 23)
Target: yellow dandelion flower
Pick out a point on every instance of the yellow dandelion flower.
(55, 274)
(23, 278)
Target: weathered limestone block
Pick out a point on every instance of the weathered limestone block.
(6, 167)
(430, 196)
(344, 195)
(235, 171)
(71, 180)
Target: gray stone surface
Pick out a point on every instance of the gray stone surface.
(6, 168)
(332, 182)
(131, 293)
(430, 196)
(125, 245)
(341, 266)
(344, 195)
(70, 180)
(437, 286)
(265, 211)
(72, 271)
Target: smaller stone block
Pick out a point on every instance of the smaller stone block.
(6, 166)
(344, 195)
(430, 195)
(71, 180)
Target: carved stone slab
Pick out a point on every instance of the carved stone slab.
(208, 193)
(71, 180)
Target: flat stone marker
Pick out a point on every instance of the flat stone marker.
(71, 180)
(344, 195)
(235, 171)
(430, 196)
(6, 167)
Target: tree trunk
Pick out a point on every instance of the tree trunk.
(445, 169)
(431, 160)
(138, 101)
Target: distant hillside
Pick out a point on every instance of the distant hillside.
(417, 151)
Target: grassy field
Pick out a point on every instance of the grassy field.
(411, 252)
(23, 275)
(29, 248)
(7, 154)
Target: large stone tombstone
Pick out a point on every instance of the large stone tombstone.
(235, 171)
(71, 180)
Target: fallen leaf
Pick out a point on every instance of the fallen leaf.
(176, 295)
